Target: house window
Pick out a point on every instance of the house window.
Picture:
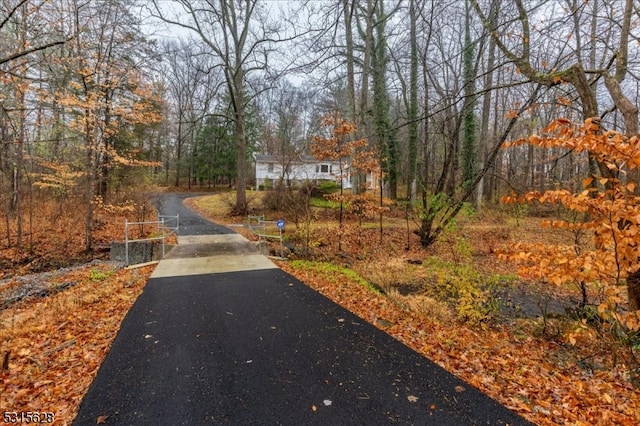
(270, 168)
(324, 168)
(317, 168)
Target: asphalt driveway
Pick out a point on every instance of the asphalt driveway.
(215, 342)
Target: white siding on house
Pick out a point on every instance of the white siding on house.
(269, 169)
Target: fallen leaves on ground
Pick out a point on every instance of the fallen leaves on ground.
(519, 372)
(53, 238)
(56, 344)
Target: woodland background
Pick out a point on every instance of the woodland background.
(459, 105)
(100, 97)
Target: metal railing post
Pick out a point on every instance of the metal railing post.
(163, 237)
(126, 242)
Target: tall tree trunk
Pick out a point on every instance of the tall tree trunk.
(241, 206)
(91, 178)
(469, 133)
(386, 138)
(366, 67)
(413, 104)
(362, 123)
(348, 12)
(21, 134)
(105, 157)
(629, 112)
(486, 106)
(19, 168)
(4, 169)
(179, 142)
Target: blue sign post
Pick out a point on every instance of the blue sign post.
(280, 226)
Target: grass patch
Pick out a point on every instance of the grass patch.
(324, 203)
(98, 275)
(333, 273)
(219, 205)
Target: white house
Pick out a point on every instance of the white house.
(272, 168)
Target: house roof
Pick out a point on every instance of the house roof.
(266, 158)
(303, 158)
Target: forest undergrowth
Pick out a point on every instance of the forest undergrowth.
(53, 232)
(456, 303)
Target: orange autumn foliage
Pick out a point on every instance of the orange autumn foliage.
(610, 209)
(338, 146)
(355, 156)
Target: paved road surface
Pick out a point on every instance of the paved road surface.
(190, 223)
(240, 342)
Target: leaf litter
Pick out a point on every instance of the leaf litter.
(54, 345)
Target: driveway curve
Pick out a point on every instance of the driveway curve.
(171, 204)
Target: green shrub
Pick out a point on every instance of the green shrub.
(471, 294)
(327, 187)
(98, 275)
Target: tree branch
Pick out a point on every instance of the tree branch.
(33, 50)
(11, 13)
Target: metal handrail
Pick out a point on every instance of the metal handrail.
(257, 225)
(177, 219)
(161, 224)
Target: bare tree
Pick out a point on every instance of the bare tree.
(106, 93)
(193, 83)
(7, 13)
(23, 37)
(241, 36)
(568, 66)
(486, 107)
